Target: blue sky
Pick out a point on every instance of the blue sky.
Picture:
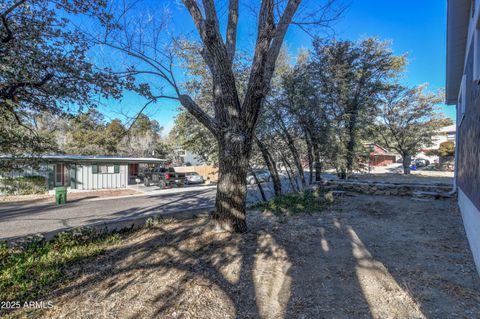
(416, 27)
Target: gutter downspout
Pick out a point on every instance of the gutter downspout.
(455, 162)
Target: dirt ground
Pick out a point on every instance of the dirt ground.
(45, 198)
(365, 257)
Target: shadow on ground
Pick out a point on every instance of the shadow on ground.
(380, 257)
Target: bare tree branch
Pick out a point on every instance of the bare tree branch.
(199, 114)
(231, 38)
(269, 43)
(196, 15)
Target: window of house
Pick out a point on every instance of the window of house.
(105, 169)
(60, 174)
(451, 136)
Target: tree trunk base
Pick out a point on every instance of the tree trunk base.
(221, 225)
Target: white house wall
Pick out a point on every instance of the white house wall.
(471, 220)
(86, 180)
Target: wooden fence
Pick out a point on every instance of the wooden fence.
(209, 172)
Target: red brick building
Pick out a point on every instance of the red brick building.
(380, 156)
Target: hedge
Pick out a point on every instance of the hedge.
(23, 185)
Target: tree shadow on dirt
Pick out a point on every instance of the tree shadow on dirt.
(185, 270)
(424, 254)
(317, 266)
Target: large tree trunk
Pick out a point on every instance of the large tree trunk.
(230, 203)
(272, 167)
(406, 160)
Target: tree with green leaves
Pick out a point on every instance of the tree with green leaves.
(191, 136)
(142, 138)
(409, 120)
(349, 78)
(45, 68)
(302, 101)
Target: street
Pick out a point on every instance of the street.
(20, 220)
(30, 218)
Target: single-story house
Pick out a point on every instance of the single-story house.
(380, 156)
(463, 90)
(88, 172)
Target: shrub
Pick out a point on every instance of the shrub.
(446, 149)
(23, 185)
(295, 203)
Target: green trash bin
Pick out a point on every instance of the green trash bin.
(60, 195)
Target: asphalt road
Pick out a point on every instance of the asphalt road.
(21, 220)
(30, 218)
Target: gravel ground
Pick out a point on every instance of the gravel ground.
(365, 257)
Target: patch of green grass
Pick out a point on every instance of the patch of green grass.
(25, 274)
(295, 203)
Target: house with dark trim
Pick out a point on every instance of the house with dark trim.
(463, 91)
(87, 172)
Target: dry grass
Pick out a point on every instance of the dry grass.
(344, 263)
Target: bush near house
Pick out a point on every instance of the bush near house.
(446, 153)
(23, 185)
(446, 149)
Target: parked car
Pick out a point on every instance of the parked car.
(163, 177)
(420, 162)
(193, 178)
(262, 176)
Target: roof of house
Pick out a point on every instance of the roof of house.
(383, 148)
(88, 159)
(387, 152)
(449, 128)
(457, 30)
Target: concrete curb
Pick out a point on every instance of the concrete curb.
(169, 191)
(109, 226)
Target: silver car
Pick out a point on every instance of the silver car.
(193, 178)
(262, 176)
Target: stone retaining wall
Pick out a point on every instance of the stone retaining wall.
(375, 188)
